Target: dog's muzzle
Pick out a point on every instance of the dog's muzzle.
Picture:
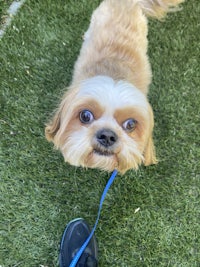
(106, 138)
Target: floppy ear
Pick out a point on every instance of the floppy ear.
(149, 153)
(149, 150)
(55, 128)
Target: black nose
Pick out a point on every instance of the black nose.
(106, 137)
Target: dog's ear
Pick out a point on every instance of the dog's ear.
(149, 153)
(55, 128)
(149, 150)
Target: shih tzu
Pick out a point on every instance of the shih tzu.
(105, 120)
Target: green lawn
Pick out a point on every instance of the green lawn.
(40, 193)
(4, 5)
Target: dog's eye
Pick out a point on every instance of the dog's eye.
(86, 116)
(129, 125)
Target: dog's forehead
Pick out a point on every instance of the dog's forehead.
(111, 94)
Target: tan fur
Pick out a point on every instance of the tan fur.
(119, 51)
(115, 46)
(159, 8)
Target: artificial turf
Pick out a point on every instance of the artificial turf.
(4, 4)
(150, 217)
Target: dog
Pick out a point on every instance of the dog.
(104, 119)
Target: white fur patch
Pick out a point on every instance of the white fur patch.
(112, 94)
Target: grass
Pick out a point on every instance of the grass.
(40, 193)
(4, 5)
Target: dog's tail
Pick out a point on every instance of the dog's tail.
(159, 8)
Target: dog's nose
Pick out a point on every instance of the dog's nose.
(106, 137)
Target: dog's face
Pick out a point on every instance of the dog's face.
(104, 124)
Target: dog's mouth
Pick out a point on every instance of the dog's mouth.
(105, 153)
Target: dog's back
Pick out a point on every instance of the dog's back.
(116, 42)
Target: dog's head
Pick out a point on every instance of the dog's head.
(104, 124)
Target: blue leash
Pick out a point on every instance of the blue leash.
(79, 253)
